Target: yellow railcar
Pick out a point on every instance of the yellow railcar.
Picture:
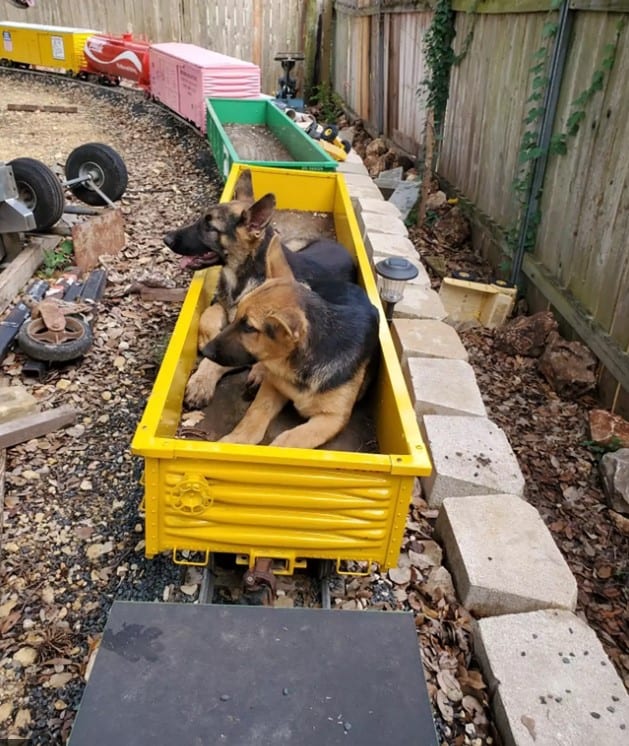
(53, 47)
(287, 504)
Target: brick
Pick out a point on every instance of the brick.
(443, 387)
(351, 166)
(15, 401)
(470, 456)
(358, 191)
(426, 338)
(502, 556)
(553, 684)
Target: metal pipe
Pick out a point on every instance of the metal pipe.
(551, 98)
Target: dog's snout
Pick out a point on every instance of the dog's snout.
(209, 351)
(169, 239)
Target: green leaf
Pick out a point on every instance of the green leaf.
(574, 120)
(549, 29)
(539, 81)
(534, 97)
(558, 145)
(534, 114)
(597, 80)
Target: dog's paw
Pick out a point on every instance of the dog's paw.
(254, 379)
(285, 440)
(230, 438)
(199, 390)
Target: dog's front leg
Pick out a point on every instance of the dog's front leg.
(318, 430)
(267, 405)
(211, 322)
(202, 383)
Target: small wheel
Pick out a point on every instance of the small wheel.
(36, 340)
(40, 190)
(463, 275)
(347, 145)
(103, 165)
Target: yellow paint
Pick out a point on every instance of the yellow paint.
(56, 47)
(289, 504)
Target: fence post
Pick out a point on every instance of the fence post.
(551, 98)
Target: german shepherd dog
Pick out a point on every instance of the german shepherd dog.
(236, 235)
(316, 347)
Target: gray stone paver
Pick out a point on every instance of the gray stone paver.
(503, 557)
(553, 683)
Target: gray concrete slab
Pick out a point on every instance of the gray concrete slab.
(470, 456)
(502, 556)
(553, 683)
(377, 204)
(419, 302)
(443, 387)
(379, 223)
(426, 338)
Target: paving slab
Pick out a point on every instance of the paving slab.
(502, 556)
(470, 456)
(376, 221)
(419, 303)
(385, 244)
(553, 683)
(405, 196)
(377, 204)
(443, 387)
(360, 191)
(426, 338)
(352, 167)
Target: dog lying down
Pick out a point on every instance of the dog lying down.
(236, 235)
(317, 350)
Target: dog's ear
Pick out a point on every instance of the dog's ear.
(259, 215)
(276, 265)
(244, 187)
(288, 321)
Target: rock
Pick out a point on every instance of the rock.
(607, 428)
(453, 229)
(615, 473)
(25, 656)
(526, 335)
(568, 366)
(400, 575)
(376, 147)
(436, 200)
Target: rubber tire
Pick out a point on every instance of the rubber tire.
(55, 353)
(347, 145)
(47, 193)
(113, 176)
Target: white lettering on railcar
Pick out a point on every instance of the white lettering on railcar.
(7, 41)
(58, 51)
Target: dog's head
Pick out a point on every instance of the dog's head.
(236, 227)
(270, 321)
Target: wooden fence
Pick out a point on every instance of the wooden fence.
(253, 30)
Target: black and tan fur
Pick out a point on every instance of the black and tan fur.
(236, 235)
(314, 353)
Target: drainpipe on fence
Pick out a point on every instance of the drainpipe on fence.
(551, 98)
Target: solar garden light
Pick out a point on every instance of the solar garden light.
(393, 274)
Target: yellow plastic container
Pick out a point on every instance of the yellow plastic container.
(57, 47)
(288, 504)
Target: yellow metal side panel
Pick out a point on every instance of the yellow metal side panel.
(19, 45)
(56, 48)
(274, 510)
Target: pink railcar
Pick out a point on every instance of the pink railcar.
(184, 75)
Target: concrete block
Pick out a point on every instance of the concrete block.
(471, 456)
(15, 401)
(443, 387)
(405, 196)
(379, 205)
(552, 681)
(376, 221)
(386, 244)
(421, 279)
(419, 302)
(358, 179)
(360, 191)
(352, 166)
(502, 556)
(426, 338)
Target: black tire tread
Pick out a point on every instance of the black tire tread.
(112, 165)
(60, 353)
(45, 185)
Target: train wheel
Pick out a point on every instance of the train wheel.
(36, 340)
(40, 190)
(103, 165)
